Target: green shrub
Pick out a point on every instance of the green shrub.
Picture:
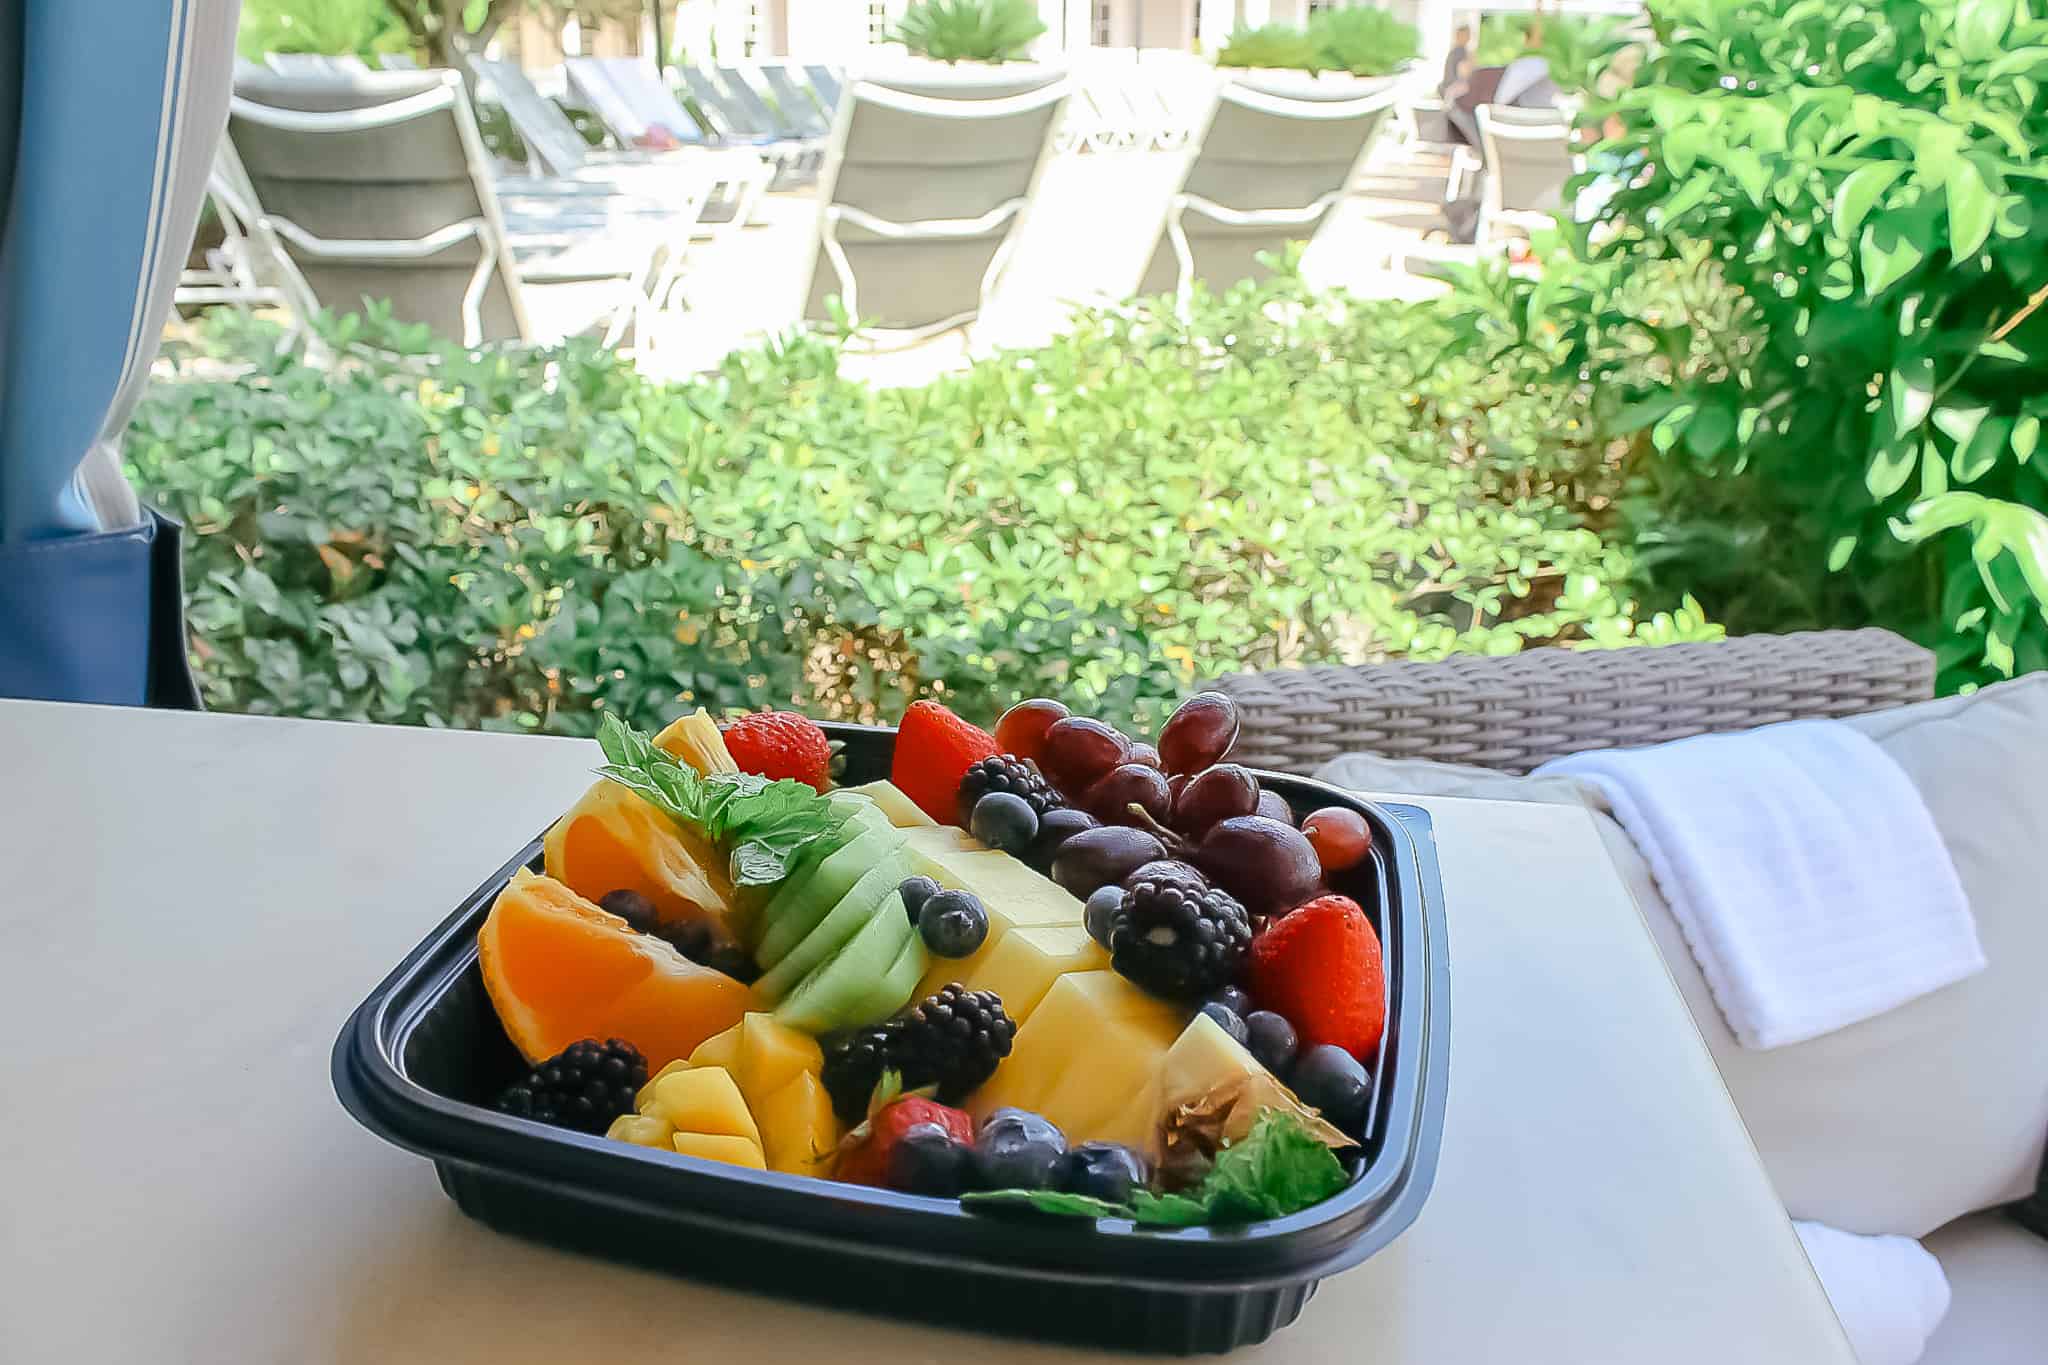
(970, 30)
(362, 27)
(1363, 41)
(1579, 48)
(1273, 47)
(1842, 427)
(523, 539)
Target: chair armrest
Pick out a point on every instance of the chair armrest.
(1515, 712)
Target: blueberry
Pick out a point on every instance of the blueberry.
(1106, 901)
(1331, 1079)
(1055, 827)
(1228, 1019)
(1016, 1150)
(1103, 1170)
(915, 892)
(1233, 999)
(1271, 1040)
(926, 1160)
(1005, 821)
(953, 923)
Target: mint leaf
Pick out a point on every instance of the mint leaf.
(764, 825)
(1045, 1201)
(1168, 1210)
(1276, 1169)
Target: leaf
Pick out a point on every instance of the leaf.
(1889, 468)
(1860, 193)
(2026, 437)
(1959, 424)
(1049, 1201)
(1987, 444)
(1911, 390)
(1168, 1210)
(1971, 209)
(1981, 26)
(1889, 255)
(764, 824)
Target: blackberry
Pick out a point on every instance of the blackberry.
(585, 1086)
(954, 1039)
(1007, 773)
(854, 1063)
(1176, 943)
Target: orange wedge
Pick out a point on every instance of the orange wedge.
(558, 969)
(612, 840)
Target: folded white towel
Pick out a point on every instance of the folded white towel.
(1889, 1292)
(1802, 867)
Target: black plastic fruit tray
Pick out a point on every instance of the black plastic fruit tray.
(419, 1060)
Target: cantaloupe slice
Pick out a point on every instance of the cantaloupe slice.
(560, 969)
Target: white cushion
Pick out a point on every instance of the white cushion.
(1998, 1294)
(1936, 1109)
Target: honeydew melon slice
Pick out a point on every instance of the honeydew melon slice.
(844, 991)
(840, 924)
(801, 904)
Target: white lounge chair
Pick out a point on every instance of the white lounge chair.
(377, 186)
(924, 191)
(1273, 160)
(1529, 158)
(313, 63)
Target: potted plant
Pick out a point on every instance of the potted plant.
(967, 48)
(1358, 48)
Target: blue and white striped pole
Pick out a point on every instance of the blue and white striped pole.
(110, 111)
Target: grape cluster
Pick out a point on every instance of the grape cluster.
(1180, 800)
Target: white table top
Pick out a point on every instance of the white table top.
(194, 904)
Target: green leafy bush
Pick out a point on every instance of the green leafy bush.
(529, 539)
(1579, 48)
(1842, 425)
(970, 30)
(362, 27)
(1364, 42)
(1271, 47)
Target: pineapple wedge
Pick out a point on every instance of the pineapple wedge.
(695, 740)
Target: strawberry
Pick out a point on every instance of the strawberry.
(781, 744)
(864, 1157)
(1319, 967)
(934, 750)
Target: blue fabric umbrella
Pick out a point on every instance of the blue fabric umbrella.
(110, 111)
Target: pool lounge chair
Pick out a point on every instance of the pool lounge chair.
(1273, 160)
(923, 194)
(376, 186)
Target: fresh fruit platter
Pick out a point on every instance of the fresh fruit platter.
(1041, 1029)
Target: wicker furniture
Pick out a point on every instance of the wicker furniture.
(1512, 713)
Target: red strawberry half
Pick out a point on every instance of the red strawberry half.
(865, 1158)
(934, 750)
(1319, 967)
(781, 744)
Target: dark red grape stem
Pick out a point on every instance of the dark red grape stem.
(1176, 844)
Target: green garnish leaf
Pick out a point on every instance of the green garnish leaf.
(1168, 1210)
(1279, 1167)
(1045, 1201)
(764, 824)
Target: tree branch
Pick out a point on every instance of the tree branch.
(409, 14)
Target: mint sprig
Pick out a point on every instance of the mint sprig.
(1278, 1168)
(764, 824)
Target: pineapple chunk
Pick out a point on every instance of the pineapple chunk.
(1016, 897)
(1206, 1064)
(734, 1151)
(642, 1130)
(644, 1101)
(721, 1049)
(901, 810)
(1025, 962)
(1111, 1093)
(773, 1055)
(705, 1100)
(695, 740)
(799, 1133)
(1096, 1028)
